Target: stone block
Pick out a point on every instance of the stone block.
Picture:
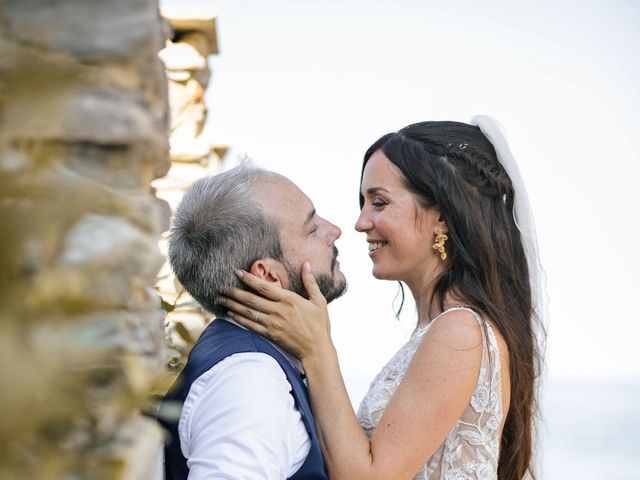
(108, 118)
(75, 114)
(182, 57)
(140, 442)
(105, 242)
(92, 30)
(197, 40)
(184, 19)
(122, 167)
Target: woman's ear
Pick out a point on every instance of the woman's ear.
(441, 224)
(269, 270)
(429, 221)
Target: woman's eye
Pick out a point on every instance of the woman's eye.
(378, 203)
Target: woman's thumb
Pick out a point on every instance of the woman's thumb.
(310, 284)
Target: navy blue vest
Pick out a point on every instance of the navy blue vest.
(219, 340)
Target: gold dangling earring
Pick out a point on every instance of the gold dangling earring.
(439, 244)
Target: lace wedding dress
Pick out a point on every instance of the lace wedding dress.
(471, 449)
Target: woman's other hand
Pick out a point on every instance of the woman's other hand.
(298, 325)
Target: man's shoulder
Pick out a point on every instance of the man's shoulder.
(250, 372)
(252, 369)
(224, 338)
(244, 401)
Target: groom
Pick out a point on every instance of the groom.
(244, 406)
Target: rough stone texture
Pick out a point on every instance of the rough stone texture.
(84, 125)
(189, 74)
(90, 30)
(193, 156)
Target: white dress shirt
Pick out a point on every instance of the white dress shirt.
(239, 421)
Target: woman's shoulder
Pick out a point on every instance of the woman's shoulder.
(469, 323)
(459, 327)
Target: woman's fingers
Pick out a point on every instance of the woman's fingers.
(250, 313)
(264, 288)
(250, 299)
(250, 324)
(310, 284)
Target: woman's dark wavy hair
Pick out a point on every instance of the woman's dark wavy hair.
(453, 167)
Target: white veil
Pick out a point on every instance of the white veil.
(523, 217)
(522, 214)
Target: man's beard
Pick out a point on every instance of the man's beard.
(326, 281)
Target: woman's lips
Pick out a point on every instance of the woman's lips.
(375, 246)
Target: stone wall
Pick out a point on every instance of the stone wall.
(193, 39)
(84, 124)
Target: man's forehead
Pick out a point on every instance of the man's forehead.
(275, 187)
(283, 199)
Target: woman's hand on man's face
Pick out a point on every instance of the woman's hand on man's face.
(298, 325)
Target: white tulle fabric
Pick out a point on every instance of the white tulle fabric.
(472, 447)
(522, 212)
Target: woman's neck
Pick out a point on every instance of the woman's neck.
(427, 306)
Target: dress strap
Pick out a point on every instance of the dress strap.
(485, 327)
(451, 309)
(422, 329)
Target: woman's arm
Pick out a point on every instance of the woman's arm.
(431, 398)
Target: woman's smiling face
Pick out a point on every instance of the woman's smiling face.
(399, 231)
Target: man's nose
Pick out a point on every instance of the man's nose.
(335, 232)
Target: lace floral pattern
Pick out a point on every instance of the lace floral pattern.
(471, 449)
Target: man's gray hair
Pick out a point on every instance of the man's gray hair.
(217, 229)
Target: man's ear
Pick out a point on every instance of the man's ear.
(269, 270)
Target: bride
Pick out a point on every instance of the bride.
(449, 217)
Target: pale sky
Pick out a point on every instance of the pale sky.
(304, 87)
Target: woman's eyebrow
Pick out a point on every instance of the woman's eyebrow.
(374, 190)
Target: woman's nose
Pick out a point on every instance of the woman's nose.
(363, 223)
